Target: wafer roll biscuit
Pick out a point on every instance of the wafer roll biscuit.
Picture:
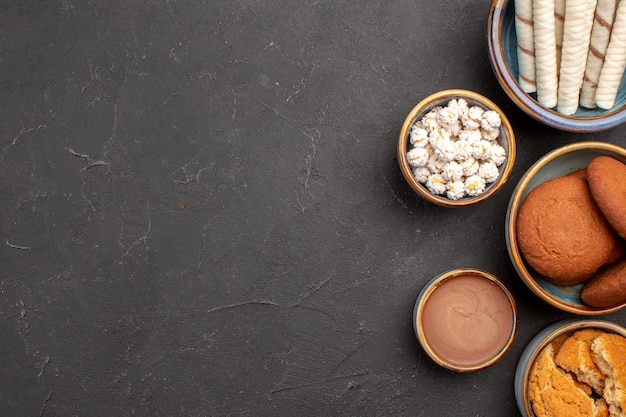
(600, 35)
(525, 45)
(614, 61)
(559, 16)
(576, 37)
(545, 52)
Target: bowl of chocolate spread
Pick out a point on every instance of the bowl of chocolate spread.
(465, 319)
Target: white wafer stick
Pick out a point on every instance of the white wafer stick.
(545, 52)
(525, 45)
(600, 35)
(614, 61)
(576, 37)
(559, 16)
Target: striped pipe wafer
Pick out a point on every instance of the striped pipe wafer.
(600, 35)
(614, 61)
(559, 16)
(576, 36)
(525, 45)
(545, 52)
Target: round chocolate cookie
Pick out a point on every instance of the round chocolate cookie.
(562, 233)
(607, 182)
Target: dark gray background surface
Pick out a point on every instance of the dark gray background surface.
(202, 212)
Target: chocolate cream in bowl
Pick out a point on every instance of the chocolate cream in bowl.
(467, 320)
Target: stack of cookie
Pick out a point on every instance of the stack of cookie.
(571, 230)
(580, 374)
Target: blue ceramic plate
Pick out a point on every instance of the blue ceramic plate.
(502, 41)
(559, 162)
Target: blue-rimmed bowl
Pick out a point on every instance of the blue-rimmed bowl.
(557, 163)
(540, 341)
(502, 40)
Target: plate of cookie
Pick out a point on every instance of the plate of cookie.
(566, 228)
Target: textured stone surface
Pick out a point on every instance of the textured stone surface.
(203, 214)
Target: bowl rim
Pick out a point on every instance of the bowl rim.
(420, 108)
(549, 117)
(540, 341)
(511, 226)
(425, 294)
